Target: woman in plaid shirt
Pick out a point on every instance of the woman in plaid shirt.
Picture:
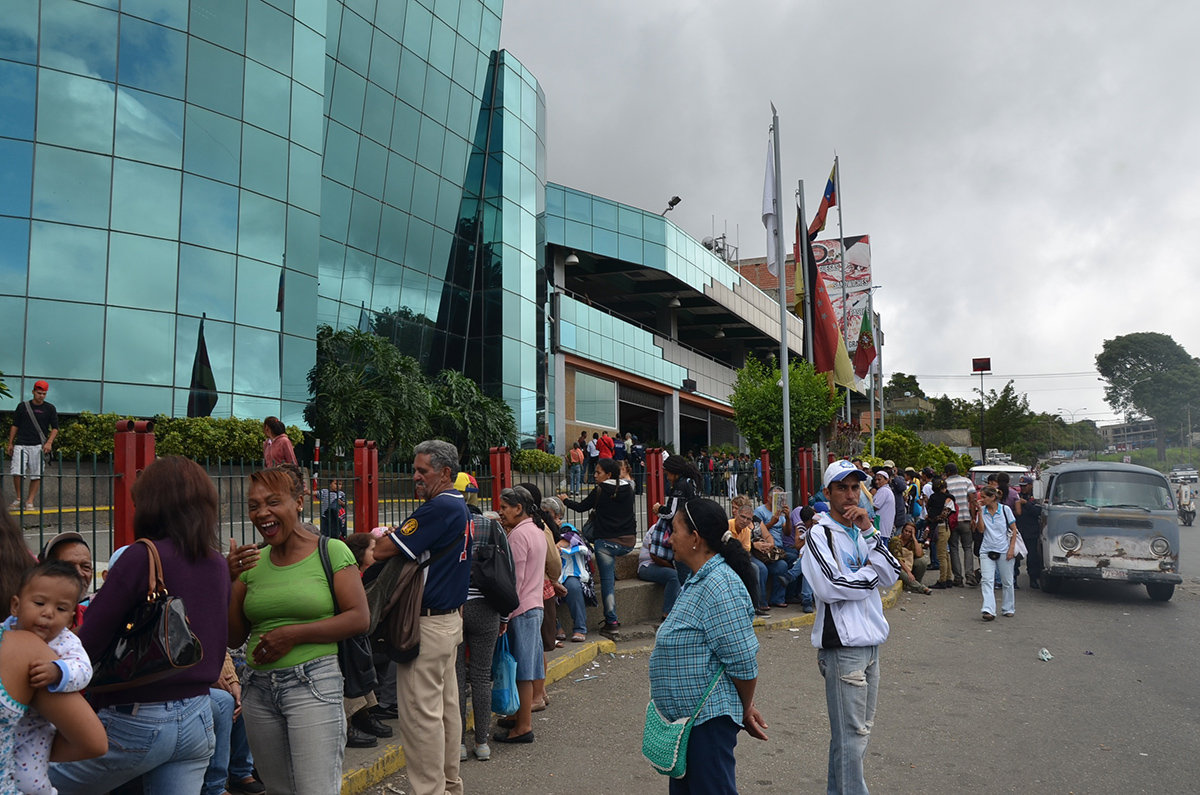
(710, 625)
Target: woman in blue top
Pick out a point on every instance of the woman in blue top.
(997, 551)
(710, 625)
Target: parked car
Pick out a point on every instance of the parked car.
(1109, 521)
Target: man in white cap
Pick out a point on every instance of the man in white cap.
(846, 560)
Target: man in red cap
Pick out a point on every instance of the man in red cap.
(35, 424)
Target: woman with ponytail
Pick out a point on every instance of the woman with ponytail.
(707, 636)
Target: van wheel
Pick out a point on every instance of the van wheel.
(1051, 584)
(1160, 592)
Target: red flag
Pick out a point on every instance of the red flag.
(828, 200)
(865, 354)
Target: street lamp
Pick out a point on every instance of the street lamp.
(1074, 430)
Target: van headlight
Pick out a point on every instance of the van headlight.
(1160, 546)
(1069, 541)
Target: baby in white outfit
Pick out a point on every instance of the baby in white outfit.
(45, 606)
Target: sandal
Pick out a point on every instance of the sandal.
(558, 644)
(578, 637)
(561, 635)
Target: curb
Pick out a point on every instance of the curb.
(391, 761)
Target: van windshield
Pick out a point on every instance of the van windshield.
(1106, 489)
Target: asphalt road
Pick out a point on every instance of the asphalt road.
(964, 705)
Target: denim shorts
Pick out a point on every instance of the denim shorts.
(525, 642)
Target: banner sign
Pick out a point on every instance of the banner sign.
(828, 254)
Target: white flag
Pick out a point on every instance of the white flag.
(770, 218)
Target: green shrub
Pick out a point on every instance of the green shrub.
(87, 434)
(198, 438)
(536, 461)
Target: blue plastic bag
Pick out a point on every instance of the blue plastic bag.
(505, 700)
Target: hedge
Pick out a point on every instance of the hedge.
(192, 437)
(536, 461)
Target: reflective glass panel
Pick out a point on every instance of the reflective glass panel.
(377, 114)
(364, 223)
(14, 257)
(303, 236)
(437, 95)
(313, 13)
(299, 356)
(142, 272)
(210, 213)
(67, 262)
(149, 128)
(75, 111)
(469, 14)
(398, 189)
(268, 98)
(256, 361)
(214, 145)
(418, 23)
(258, 294)
(153, 57)
(354, 46)
(385, 60)
(166, 12)
(335, 210)
(308, 62)
(19, 30)
(341, 151)
(406, 129)
(79, 38)
(389, 17)
(12, 328)
(139, 346)
(304, 179)
(218, 340)
(329, 271)
(393, 234)
(54, 348)
(357, 277)
(16, 176)
(220, 21)
(264, 162)
(371, 169)
(411, 86)
(441, 47)
(206, 282)
(134, 400)
(269, 36)
(307, 118)
(429, 150)
(145, 199)
(300, 297)
(215, 78)
(349, 90)
(72, 187)
(261, 227)
(424, 200)
(18, 93)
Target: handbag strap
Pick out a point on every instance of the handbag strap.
(711, 686)
(323, 552)
(156, 583)
(36, 425)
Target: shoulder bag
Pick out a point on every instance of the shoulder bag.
(493, 574)
(354, 653)
(37, 427)
(664, 742)
(154, 641)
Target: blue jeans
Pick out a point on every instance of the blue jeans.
(222, 705)
(851, 691)
(297, 727)
(806, 592)
(777, 569)
(711, 766)
(988, 569)
(167, 743)
(576, 478)
(607, 553)
(576, 604)
(241, 763)
(667, 578)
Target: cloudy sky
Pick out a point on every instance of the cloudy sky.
(1027, 170)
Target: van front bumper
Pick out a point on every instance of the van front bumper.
(1111, 573)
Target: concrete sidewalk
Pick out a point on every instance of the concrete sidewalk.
(366, 767)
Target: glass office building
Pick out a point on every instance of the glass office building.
(273, 165)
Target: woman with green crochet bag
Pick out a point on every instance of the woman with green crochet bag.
(704, 669)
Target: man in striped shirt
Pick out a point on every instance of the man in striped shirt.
(963, 492)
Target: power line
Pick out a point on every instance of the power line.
(1091, 373)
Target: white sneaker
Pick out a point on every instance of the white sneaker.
(483, 752)
(462, 752)
(14, 505)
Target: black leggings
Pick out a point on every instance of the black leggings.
(481, 627)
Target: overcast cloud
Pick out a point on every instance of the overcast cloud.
(1027, 171)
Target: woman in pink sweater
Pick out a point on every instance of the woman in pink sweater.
(528, 545)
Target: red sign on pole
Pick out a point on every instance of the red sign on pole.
(981, 365)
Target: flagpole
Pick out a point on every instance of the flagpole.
(783, 313)
(837, 179)
(874, 335)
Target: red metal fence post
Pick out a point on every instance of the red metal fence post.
(361, 496)
(506, 478)
(372, 508)
(494, 461)
(124, 473)
(654, 484)
(765, 457)
(804, 465)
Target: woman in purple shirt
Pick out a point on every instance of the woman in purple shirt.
(161, 731)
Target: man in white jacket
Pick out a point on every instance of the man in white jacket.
(847, 561)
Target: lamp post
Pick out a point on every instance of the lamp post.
(1074, 430)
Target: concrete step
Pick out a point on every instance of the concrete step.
(638, 602)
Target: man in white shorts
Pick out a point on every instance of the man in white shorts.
(35, 424)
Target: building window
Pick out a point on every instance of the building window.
(595, 401)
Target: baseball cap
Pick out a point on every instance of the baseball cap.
(821, 507)
(841, 469)
(466, 483)
(1026, 480)
(61, 538)
(890, 464)
(41, 385)
(910, 471)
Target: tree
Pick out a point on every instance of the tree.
(898, 445)
(901, 383)
(757, 401)
(1005, 416)
(1150, 374)
(467, 418)
(362, 387)
(4, 387)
